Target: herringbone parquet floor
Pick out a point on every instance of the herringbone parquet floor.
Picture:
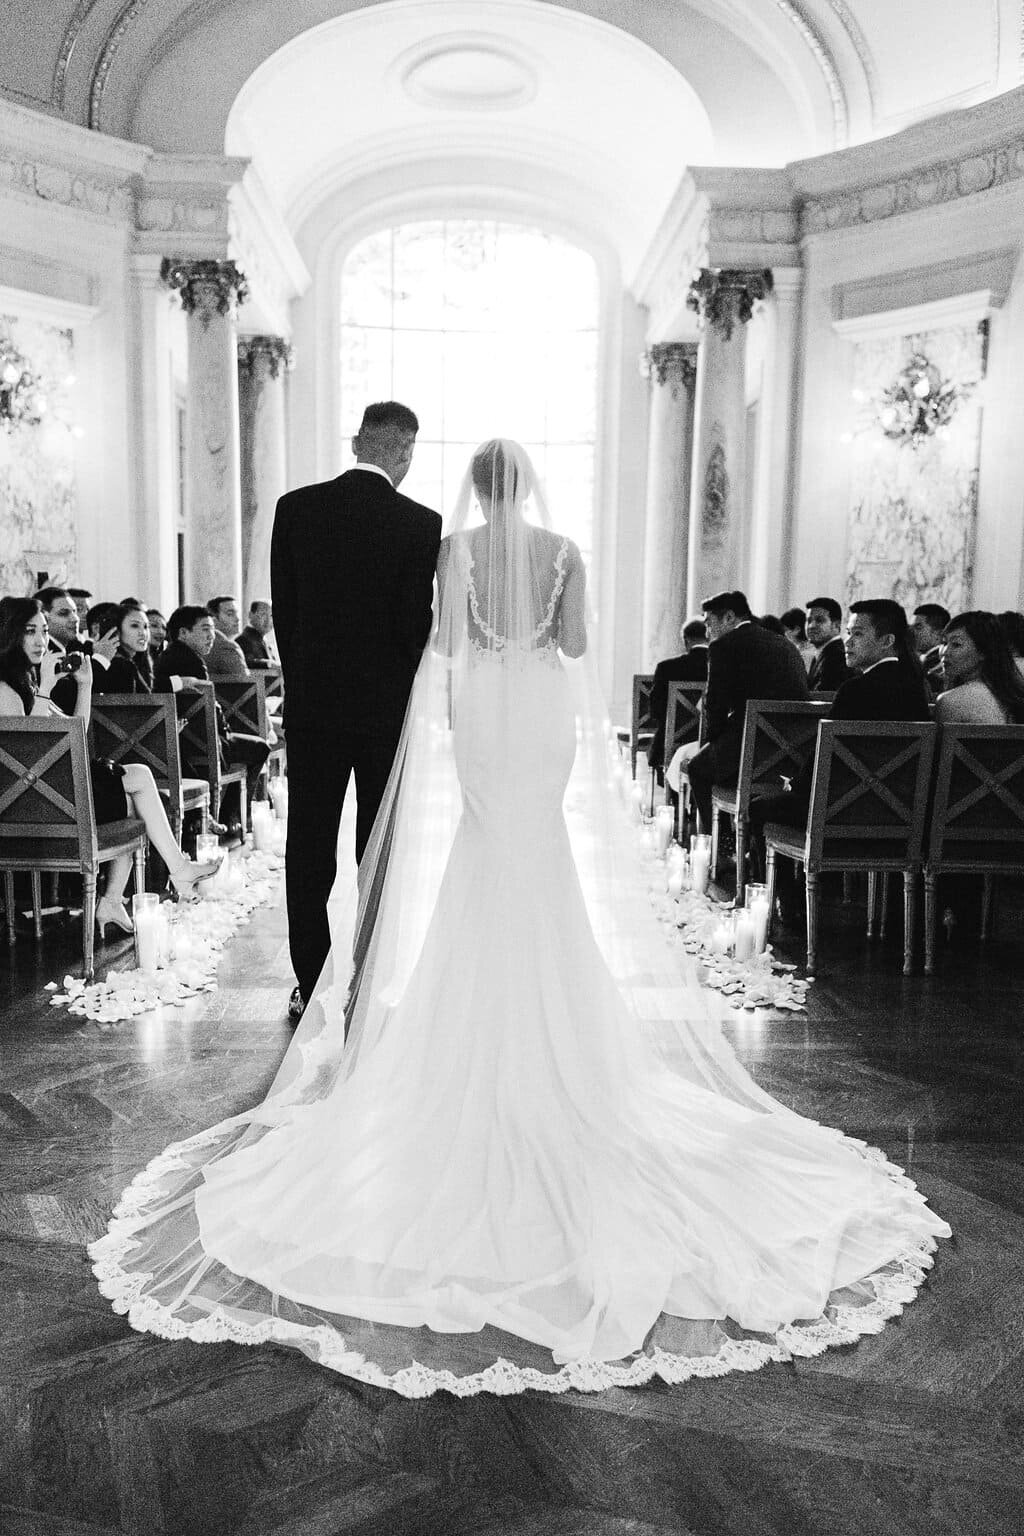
(921, 1429)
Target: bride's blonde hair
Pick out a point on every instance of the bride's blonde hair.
(499, 472)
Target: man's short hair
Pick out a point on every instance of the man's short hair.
(933, 614)
(827, 605)
(384, 414)
(885, 615)
(49, 595)
(103, 617)
(213, 607)
(185, 617)
(727, 602)
(78, 592)
(695, 632)
(259, 602)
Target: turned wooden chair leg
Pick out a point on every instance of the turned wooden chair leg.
(883, 926)
(714, 841)
(931, 881)
(769, 879)
(89, 922)
(741, 858)
(37, 902)
(986, 905)
(812, 897)
(872, 900)
(847, 888)
(909, 913)
(139, 860)
(9, 904)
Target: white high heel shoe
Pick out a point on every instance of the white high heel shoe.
(111, 913)
(191, 877)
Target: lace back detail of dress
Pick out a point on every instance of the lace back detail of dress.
(541, 640)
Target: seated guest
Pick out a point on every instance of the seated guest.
(828, 669)
(930, 621)
(191, 640)
(61, 613)
(98, 643)
(225, 658)
(28, 672)
(794, 627)
(131, 668)
(745, 661)
(157, 631)
(691, 666)
(887, 684)
(1012, 626)
(252, 641)
(983, 686)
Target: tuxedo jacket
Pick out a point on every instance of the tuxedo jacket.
(691, 667)
(226, 659)
(124, 675)
(352, 578)
(748, 662)
(179, 660)
(828, 671)
(253, 647)
(892, 690)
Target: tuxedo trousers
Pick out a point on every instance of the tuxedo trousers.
(323, 756)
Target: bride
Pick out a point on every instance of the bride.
(512, 1148)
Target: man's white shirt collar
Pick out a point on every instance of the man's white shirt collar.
(375, 469)
(880, 663)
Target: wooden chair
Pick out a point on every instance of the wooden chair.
(778, 739)
(869, 799)
(682, 713)
(244, 703)
(47, 819)
(641, 728)
(200, 747)
(977, 818)
(143, 728)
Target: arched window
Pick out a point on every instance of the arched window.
(485, 329)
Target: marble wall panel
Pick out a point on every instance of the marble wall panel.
(913, 510)
(38, 511)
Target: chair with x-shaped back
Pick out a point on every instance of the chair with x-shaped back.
(143, 728)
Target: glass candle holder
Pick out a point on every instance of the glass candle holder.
(146, 917)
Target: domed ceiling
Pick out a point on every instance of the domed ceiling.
(609, 100)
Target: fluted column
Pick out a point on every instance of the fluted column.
(262, 364)
(671, 368)
(210, 293)
(725, 302)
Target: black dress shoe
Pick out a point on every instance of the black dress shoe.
(296, 1007)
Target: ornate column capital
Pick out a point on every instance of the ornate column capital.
(723, 296)
(278, 354)
(206, 287)
(672, 362)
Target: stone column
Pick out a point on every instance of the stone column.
(671, 368)
(210, 293)
(725, 302)
(262, 364)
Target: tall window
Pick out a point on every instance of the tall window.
(486, 330)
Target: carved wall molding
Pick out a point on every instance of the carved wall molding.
(68, 42)
(278, 354)
(206, 287)
(62, 184)
(928, 187)
(123, 23)
(826, 64)
(670, 362)
(852, 27)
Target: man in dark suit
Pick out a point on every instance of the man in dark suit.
(352, 571)
(930, 620)
(886, 683)
(252, 641)
(745, 661)
(828, 671)
(690, 667)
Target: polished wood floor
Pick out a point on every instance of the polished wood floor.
(921, 1429)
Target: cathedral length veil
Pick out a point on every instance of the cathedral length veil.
(511, 1148)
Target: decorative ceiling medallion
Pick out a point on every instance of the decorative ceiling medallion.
(467, 72)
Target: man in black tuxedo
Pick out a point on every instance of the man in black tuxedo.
(828, 671)
(886, 683)
(930, 620)
(745, 661)
(351, 572)
(690, 667)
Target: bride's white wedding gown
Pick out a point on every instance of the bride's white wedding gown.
(513, 1162)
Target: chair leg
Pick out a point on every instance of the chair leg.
(714, 841)
(986, 905)
(89, 922)
(813, 893)
(847, 888)
(741, 858)
(883, 926)
(872, 900)
(909, 913)
(37, 902)
(9, 904)
(769, 880)
(931, 881)
(243, 809)
(139, 860)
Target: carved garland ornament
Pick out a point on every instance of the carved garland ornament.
(722, 296)
(206, 287)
